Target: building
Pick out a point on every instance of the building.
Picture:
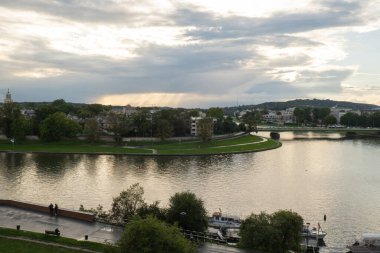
(194, 124)
(8, 98)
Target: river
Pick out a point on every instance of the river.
(312, 174)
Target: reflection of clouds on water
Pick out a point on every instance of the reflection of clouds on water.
(338, 178)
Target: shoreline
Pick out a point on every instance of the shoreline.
(245, 144)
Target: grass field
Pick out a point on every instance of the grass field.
(45, 238)
(16, 246)
(246, 143)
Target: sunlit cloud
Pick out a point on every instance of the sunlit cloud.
(189, 53)
(40, 73)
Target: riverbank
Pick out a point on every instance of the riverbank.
(240, 144)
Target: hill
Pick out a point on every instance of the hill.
(302, 103)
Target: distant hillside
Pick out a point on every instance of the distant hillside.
(302, 103)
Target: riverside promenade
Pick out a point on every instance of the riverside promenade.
(39, 221)
(35, 221)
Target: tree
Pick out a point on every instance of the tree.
(91, 130)
(56, 126)
(10, 112)
(20, 127)
(330, 120)
(153, 236)
(215, 112)
(350, 119)
(205, 128)
(164, 130)
(152, 210)
(251, 119)
(289, 224)
(257, 233)
(120, 126)
(277, 232)
(125, 206)
(188, 211)
(319, 114)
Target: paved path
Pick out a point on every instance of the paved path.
(10, 217)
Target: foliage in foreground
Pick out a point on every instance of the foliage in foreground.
(277, 232)
(151, 235)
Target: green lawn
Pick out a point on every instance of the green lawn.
(16, 246)
(71, 147)
(246, 143)
(51, 239)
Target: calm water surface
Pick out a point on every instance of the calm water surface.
(311, 174)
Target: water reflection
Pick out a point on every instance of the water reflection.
(338, 178)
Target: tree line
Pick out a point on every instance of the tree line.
(151, 228)
(59, 119)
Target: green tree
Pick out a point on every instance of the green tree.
(120, 126)
(350, 119)
(21, 127)
(56, 126)
(188, 211)
(153, 236)
(153, 209)
(215, 112)
(277, 232)
(205, 128)
(164, 129)
(229, 126)
(142, 123)
(257, 233)
(125, 206)
(91, 130)
(251, 119)
(289, 224)
(9, 112)
(330, 120)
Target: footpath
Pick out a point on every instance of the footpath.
(38, 222)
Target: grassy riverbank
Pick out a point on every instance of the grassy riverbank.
(12, 240)
(247, 143)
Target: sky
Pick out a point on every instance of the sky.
(190, 53)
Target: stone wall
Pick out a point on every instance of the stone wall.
(45, 209)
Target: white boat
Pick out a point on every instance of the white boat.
(217, 220)
(370, 243)
(315, 233)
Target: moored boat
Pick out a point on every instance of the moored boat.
(217, 220)
(316, 233)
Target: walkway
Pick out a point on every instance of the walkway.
(10, 217)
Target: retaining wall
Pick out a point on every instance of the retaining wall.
(45, 209)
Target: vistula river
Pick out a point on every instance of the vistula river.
(311, 174)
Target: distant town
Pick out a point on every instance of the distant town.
(60, 119)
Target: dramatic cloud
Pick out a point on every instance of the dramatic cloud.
(189, 53)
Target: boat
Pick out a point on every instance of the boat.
(218, 220)
(315, 233)
(370, 243)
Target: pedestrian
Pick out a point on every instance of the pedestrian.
(56, 209)
(51, 209)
